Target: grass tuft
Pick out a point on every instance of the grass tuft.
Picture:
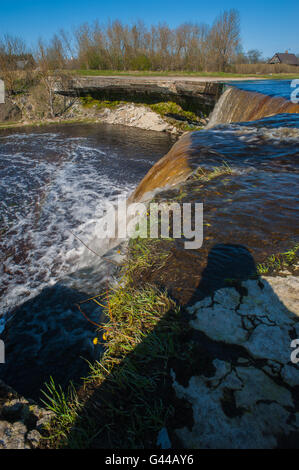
(208, 175)
(130, 379)
(280, 261)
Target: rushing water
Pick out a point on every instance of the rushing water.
(245, 101)
(54, 181)
(274, 88)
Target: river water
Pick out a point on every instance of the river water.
(54, 181)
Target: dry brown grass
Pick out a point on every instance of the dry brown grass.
(264, 68)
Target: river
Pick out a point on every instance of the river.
(55, 181)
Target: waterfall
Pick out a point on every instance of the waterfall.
(237, 105)
(174, 167)
(207, 146)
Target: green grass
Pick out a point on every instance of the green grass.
(141, 335)
(90, 102)
(202, 174)
(163, 109)
(280, 261)
(274, 76)
(63, 405)
(168, 107)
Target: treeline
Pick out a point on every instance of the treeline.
(190, 46)
(119, 46)
(136, 47)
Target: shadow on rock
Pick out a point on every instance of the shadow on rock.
(224, 380)
(227, 266)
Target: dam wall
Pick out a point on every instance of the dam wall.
(236, 105)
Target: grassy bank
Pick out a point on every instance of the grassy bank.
(169, 111)
(126, 398)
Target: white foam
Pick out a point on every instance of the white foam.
(59, 196)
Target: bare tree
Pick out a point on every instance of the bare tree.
(119, 46)
(224, 38)
(254, 56)
(51, 59)
(14, 57)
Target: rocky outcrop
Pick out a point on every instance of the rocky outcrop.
(34, 108)
(137, 116)
(195, 92)
(22, 422)
(246, 395)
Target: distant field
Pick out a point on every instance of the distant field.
(273, 76)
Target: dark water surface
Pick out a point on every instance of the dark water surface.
(249, 189)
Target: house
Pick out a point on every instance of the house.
(284, 58)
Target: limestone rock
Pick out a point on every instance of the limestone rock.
(22, 422)
(48, 337)
(137, 116)
(12, 435)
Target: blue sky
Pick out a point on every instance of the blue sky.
(271, 26)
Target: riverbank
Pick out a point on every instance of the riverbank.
(169, 360)
(197, 342)
(202, 76)
(158, 348)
